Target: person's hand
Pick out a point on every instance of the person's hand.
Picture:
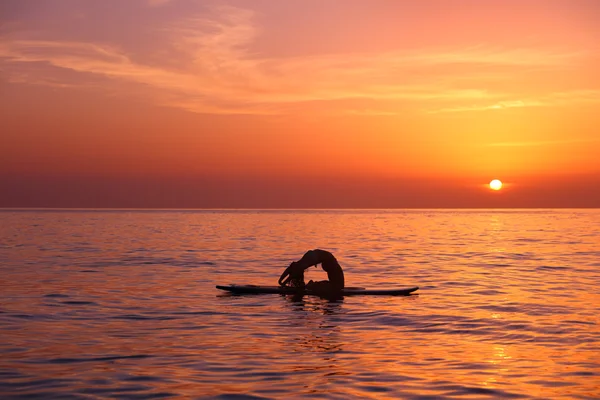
(295, 270)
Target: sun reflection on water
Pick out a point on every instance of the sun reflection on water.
(507, 306)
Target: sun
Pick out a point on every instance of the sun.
(496, 184)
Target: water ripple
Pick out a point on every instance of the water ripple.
(122, 304)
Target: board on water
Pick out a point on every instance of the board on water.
(348, 291)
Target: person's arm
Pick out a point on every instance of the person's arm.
(295, 272)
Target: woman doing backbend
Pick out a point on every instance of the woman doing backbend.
(294, 274)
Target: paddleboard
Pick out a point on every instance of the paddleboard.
(348, 291)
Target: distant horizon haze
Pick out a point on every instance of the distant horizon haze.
(257, 193)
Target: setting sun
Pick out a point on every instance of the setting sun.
(496, 184)
(227, 103)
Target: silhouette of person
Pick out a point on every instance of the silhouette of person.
(294, 274)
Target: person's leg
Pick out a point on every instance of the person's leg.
(323, 288)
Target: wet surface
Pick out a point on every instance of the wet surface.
(123, 305)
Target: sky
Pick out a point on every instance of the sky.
(299, 104)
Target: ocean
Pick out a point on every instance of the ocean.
(122, 304)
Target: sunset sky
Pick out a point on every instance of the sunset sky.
(293, 104)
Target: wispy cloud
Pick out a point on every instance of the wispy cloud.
(370, 112)
(553, 99)
(501, 105)
(540, 143)
(220, 74)
(158, 3)
(550, 100)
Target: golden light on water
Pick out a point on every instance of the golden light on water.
(496, 184)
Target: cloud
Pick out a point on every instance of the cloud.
(553, 99)
(541, 143)
(501, 105)
(218, 72)
(370, 112)
(158, 3)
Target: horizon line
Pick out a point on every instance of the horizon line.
(2, 209)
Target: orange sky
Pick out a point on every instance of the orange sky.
(266, 103)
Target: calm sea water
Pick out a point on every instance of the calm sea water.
(122, 304)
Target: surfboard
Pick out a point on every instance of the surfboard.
(348, 291)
